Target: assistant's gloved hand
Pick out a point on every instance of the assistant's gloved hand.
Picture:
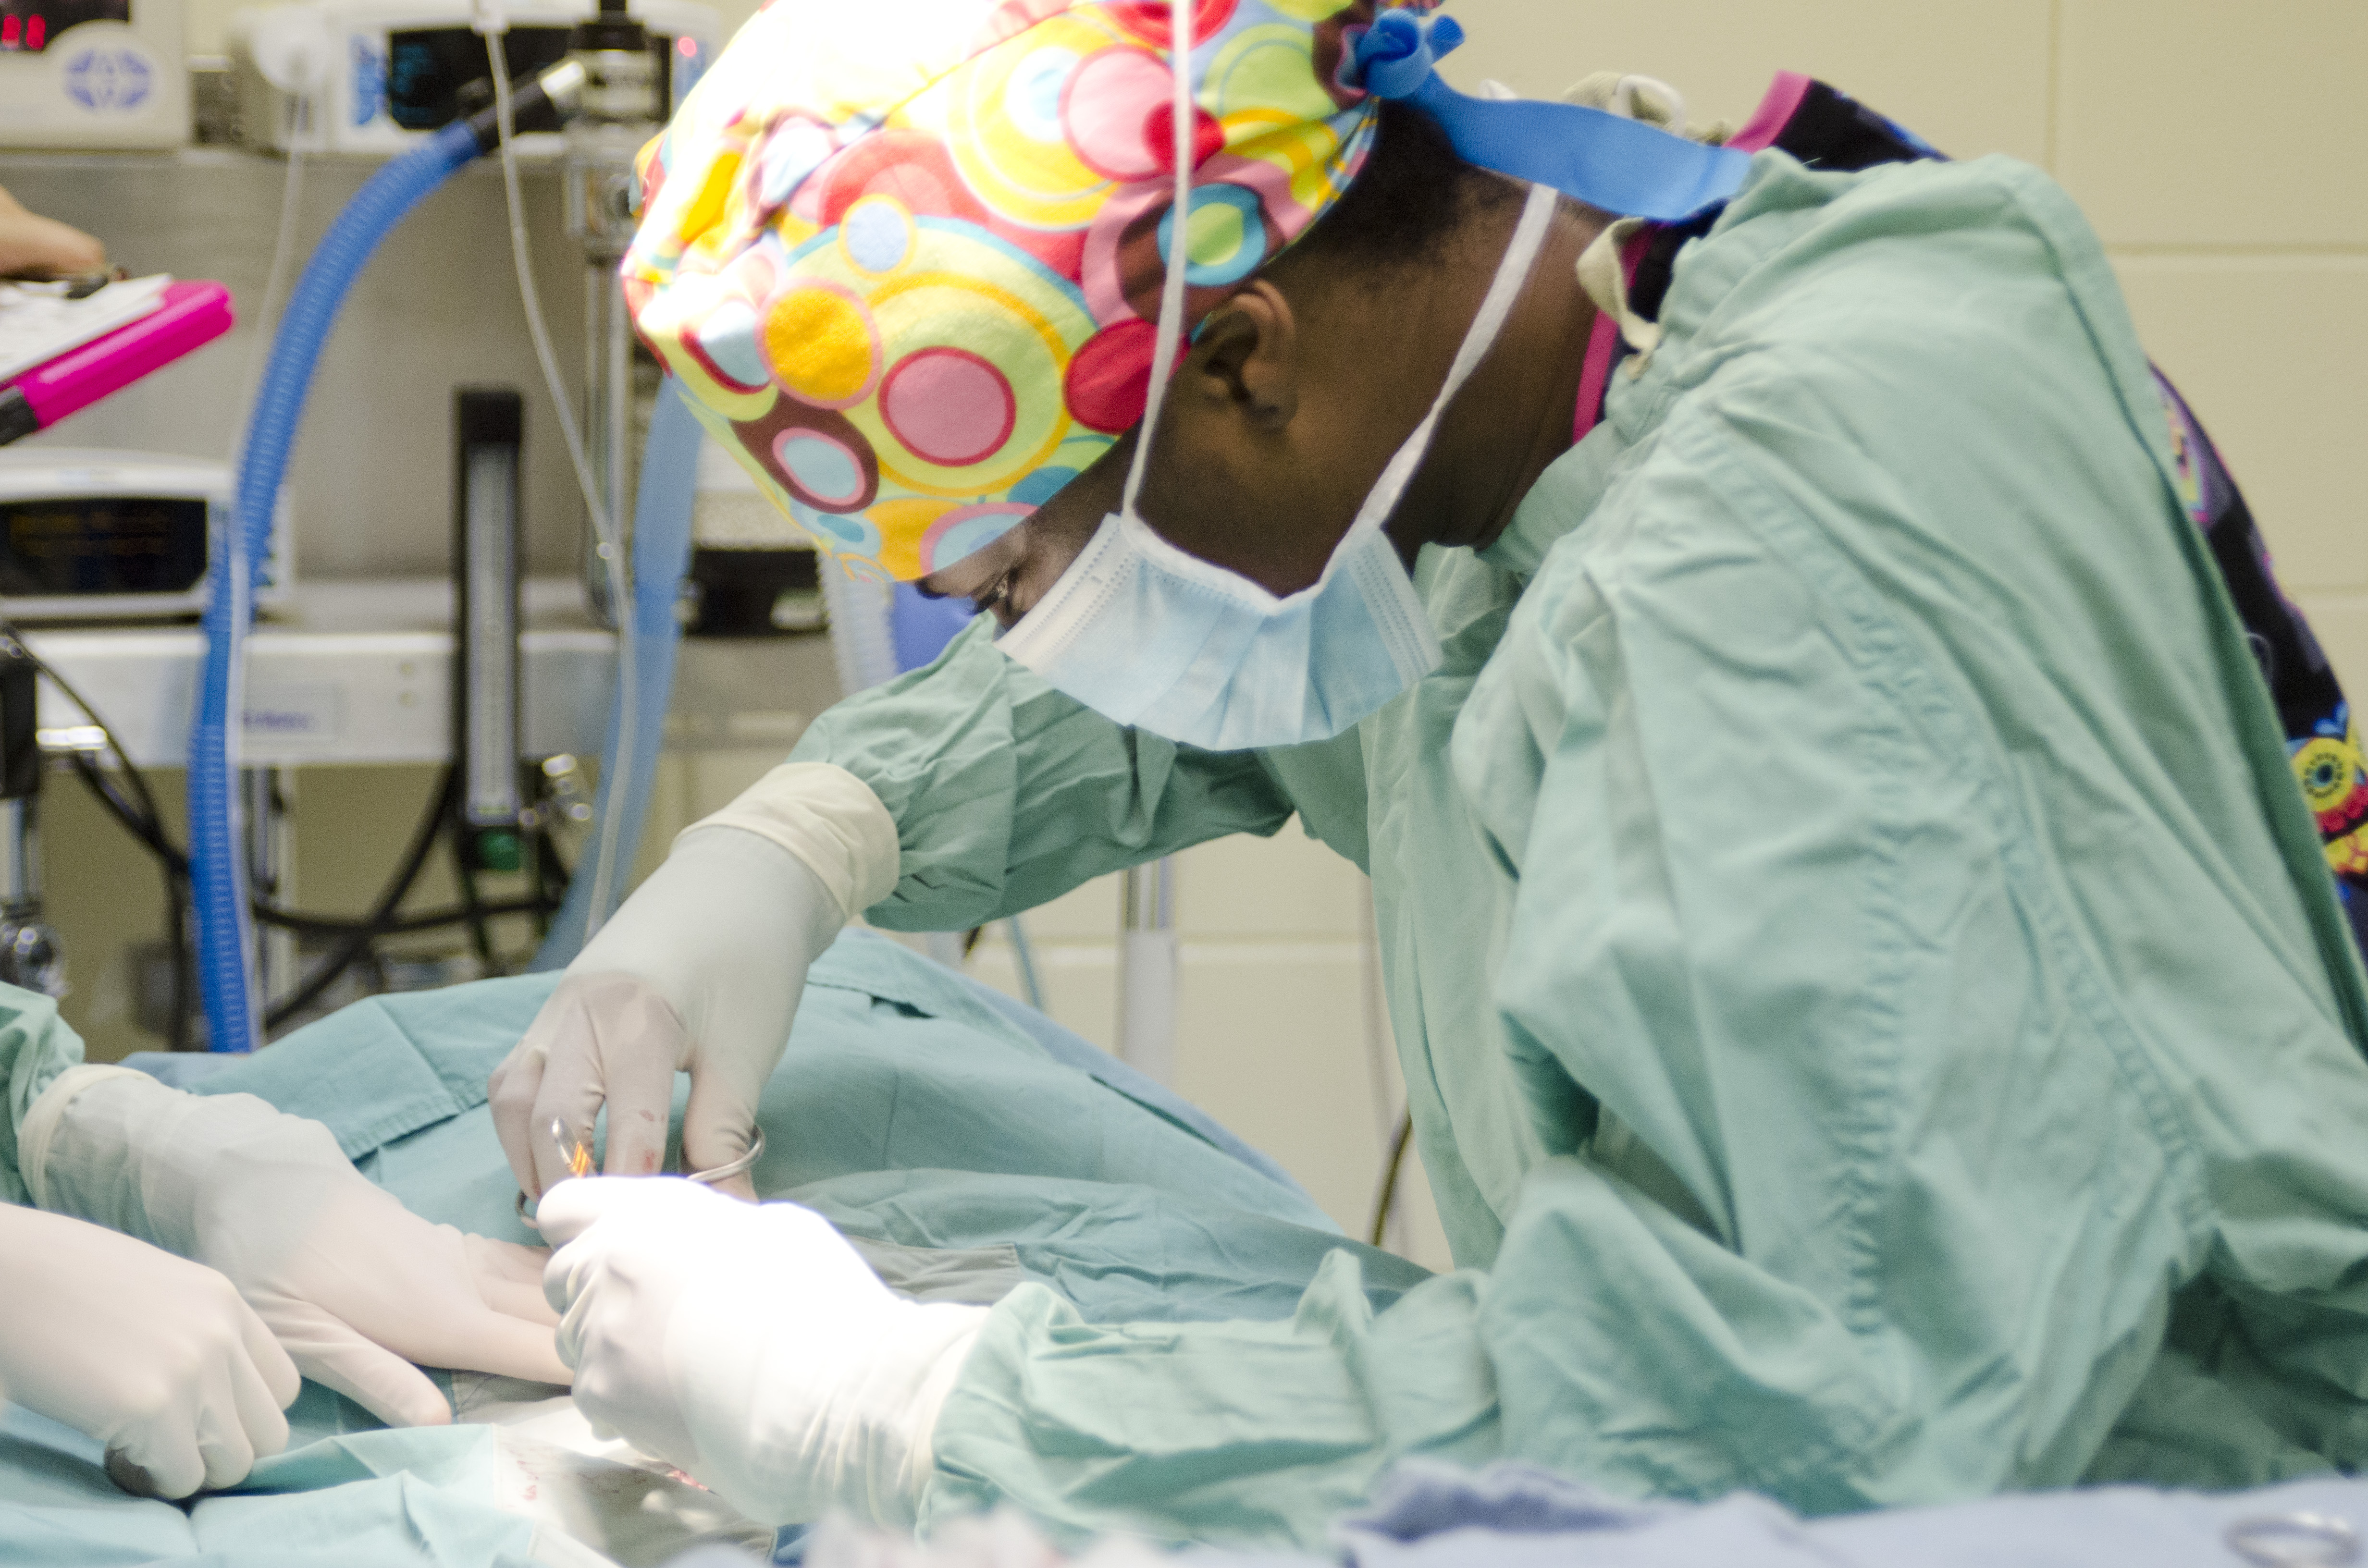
(749, 1345)
(353, 1285)
(154, 1356)
(699, 971)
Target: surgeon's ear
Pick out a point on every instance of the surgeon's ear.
(1246, 357)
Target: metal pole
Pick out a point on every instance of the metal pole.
(607, 419)
(623, 104)
(271, 873)
(616, 407)
(1146, 970)
(21, 855)
(28, 949)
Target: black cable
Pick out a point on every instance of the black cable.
(435, 919)
(144, 820)
(275, 807)
(133, 820)
(398, 887)
(400, 925)
(546, 870)
(551, 868)
(175, 870)
(175, 865)
(473, 905)
(1389, 1193)
(177, 937)
(147, 803)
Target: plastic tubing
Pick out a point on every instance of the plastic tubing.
(662, 508)
(217, 861)
(1024, 952)
(862, 640)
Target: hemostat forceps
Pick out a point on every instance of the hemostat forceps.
(576, 1154)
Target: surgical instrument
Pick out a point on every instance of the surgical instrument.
(576, 1153)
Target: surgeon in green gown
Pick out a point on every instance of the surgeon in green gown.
(1878, 1022)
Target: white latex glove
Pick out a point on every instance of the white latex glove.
(154, 1356)
(749, 1345)
(354, 1284)
(699, 971)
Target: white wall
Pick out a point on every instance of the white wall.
(2213, 144)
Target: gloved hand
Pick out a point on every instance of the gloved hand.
(699, 971)
(154, 1356)
(749, 1345)
(354, 1284)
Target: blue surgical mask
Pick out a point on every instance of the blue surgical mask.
(1145, 634)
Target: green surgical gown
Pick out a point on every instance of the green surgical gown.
(1878, 1021)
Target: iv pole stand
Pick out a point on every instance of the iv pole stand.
(1146, 970)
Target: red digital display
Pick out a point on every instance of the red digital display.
(28, 27)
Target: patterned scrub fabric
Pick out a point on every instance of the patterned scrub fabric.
(907, 254)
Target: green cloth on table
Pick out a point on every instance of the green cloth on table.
(394, 1498)
(905, 1111)
(35, 1048)
(1879, 1024)
(923, 1121)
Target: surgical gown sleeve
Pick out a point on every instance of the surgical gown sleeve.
(34, 1047)
(1921, 970)
(1007, 794)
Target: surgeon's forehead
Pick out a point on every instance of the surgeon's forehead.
(1062, 525)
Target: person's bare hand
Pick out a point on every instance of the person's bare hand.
(35, 247)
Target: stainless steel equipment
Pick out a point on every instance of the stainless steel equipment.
(89, 533)
(28, 949)
(488, 436)
(378, 75)
(623, 104)
(92, 73)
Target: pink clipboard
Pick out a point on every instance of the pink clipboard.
(190, 315)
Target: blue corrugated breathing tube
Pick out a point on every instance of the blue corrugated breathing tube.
(661, 544)
(217, 866)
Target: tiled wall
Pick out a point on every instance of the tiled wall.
(2214, 144)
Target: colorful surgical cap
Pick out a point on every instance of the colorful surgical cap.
(905, 255)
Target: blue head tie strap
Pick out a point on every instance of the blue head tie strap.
(1621, 166)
